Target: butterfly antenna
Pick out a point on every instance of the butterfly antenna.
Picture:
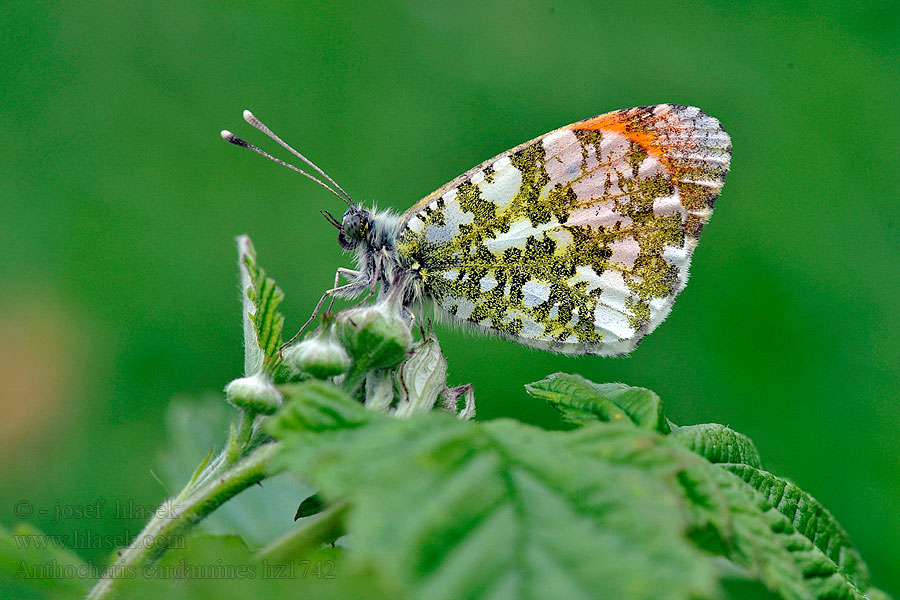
(231, 138)
(250, 118)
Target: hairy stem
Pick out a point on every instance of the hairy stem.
(174, 519)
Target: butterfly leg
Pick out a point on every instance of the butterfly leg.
(315, 312)
(348, 273)
(375, 278)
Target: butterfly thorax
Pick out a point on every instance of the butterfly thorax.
(372, 235)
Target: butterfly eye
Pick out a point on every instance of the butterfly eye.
(355, 224)
(351, 225)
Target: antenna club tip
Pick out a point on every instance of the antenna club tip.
(248, 116)
(233, 139)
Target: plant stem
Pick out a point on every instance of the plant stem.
(167, 526)
(354, 383)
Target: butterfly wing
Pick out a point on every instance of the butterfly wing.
(579, 240)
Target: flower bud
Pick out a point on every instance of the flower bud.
(376, 336)
(255, 394)
(423, 377)
(322, 356)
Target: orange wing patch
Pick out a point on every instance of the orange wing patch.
(692, 146)
(622, 123)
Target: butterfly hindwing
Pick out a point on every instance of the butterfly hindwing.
(579, 240)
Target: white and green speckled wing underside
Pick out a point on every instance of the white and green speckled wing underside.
(577, 241)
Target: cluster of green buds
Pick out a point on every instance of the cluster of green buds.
(255, 394)
(370, 352)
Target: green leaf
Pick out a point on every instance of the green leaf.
(808, 517)
(312, 505)
(581, 401)
(35, 565)
(686, 475)
(262, 321)
(316, 406)
(781, 535)
(718, 444)
(443, 508)
(768, 546)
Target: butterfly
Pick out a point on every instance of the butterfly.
(577, 241)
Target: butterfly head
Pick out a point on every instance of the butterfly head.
(355, 227)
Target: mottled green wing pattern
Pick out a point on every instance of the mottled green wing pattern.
(577, 241)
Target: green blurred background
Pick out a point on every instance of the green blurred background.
(118, 285)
